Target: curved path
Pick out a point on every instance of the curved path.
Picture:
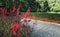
(44, 29)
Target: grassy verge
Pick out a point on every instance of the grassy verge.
(46, 15)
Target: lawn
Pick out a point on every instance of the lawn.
(46, 15)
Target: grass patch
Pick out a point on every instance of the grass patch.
(46, 15)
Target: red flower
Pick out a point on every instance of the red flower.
(15, 27)
(14, 8)
(6, 11)
(3, 10)
(12, 11)
(18, 11)
(26, 14)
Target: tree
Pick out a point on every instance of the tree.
(46, 6)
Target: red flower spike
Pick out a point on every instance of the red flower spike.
(26, 14)
(14, 8)
(11, 12)
(3, 10)
(15, 27)
(18, 11)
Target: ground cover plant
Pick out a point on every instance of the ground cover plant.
(10, 22)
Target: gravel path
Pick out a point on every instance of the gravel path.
(44, 29)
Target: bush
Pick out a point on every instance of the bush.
(8, 26)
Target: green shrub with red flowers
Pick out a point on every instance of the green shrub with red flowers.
(12, 28)
(10, 25)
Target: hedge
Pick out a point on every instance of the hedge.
(46, 15)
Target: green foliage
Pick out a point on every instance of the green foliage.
(6, 30)
(36, 5)
(44, 5)
(46, 15)
(25, 4)
(54, 5)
